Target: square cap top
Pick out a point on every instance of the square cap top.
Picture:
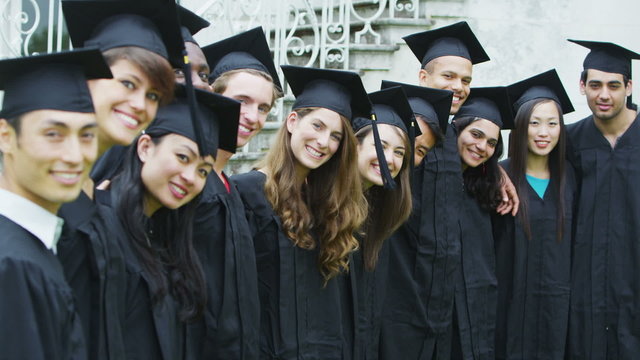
(489, 103)
(55, 81)
(607, 57)
(107, 24)
(433, 104)
(190, 24)
(247, 50)
(546, 85)
(452, 40)
(337, 90)
(391, 107)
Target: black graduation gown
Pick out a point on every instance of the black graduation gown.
(37, 310)
(605, 294)
(371, 290)
(223, 241)
(149, 330)
(83, 251)
(475, 284)
(534, 277)
(424, 256)
(300, 318)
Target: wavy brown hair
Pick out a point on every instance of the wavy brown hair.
(157, 68)
(388, 209)
(327, 208)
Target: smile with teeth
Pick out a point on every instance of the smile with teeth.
(456, 99)
(128, 121)
(244, 129)
(313, 152)
(67, 177)
(376, 168)
(475, 155)
(177, 190)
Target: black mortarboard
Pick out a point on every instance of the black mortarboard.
(55, 81)
(490, 103)
(247, 50)
(337, 90)
(607, 57)
(190, 24)
(546, 85)
(453, 40)
(149, 24)
(432, 104)
(218, 117)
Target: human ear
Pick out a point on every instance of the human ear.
(144, 146)
(292, 118)
(7, 136)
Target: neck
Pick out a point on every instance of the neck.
(88, 187)
(7, 184)
(301, 173)
(221, 160)
(103, 146)
(538, 166)
(151, 205)
(613, 128)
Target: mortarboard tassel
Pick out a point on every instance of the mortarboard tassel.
(387, 180)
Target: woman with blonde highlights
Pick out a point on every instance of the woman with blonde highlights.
(304, 203)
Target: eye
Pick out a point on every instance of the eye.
(183, 158)
(421, 152)
(466, 81)
(553, 123)
(316, 125)
(399, 153)
(475, 134)
(203, 172)
(153, 96)
(88, 136)
(447, 76)
(178, 72)
(336, 137)
(128, 84)
(534, 122)
(53, 134)
(492, 143)
(204, 77)
(264, 109)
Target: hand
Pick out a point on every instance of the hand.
(105, 185)
(510, 202)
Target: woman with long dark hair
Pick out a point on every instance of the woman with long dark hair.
(477, 125)
(304, 205)
(533, 249)
(149, 209)
(388, 207)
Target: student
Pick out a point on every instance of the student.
(242, 69)
(138, 54)
(425, 251)
(431, 109)
(477, 125)
(190, 25)
(388, 208)
(149, 209)
(533, 250)
(603, 150)
(48, 144)
(304, 205)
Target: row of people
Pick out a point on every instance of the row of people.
(374, 227)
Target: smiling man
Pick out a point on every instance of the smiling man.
(48, 143)
(603, 148)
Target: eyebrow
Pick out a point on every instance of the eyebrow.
(484, 134)
(58, 123)
(189, 149)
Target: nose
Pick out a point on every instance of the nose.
(482, 145)
(456, 85)
(189, 174)
(388, 156)
(543, 131)
(73, 151)
(250, 113)
(137, 100)
(323, 139)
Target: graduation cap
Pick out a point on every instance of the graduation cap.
(453, 40)
(217, 116)
(55, 81)
(337, 90)
(608, 57)
(107, 24)
(247, 50)
(432, 104)
(490, 103)
(546, 85)
(190, 24)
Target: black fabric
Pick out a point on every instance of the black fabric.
(546, 85)
(148, 330)
(604, 322)
(534, 276)
(424, 257)
(489, 103)
(37, 308)
(476, 284)
(223, 241)
(190, 24)
(51, 81)
(84, 251)
(300, 318)
(109, 164)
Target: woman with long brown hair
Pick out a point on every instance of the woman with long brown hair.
(304, 205)
(533, 250)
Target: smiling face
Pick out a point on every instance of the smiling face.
(606, 93)
(394, 144)
(125, 105)
(423, 143)
(315, 137)
(449, 73)
(50, 159)
(255, 94)
(544, 129)
(173, 173)
(477, 142)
